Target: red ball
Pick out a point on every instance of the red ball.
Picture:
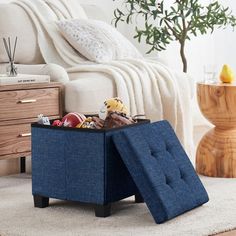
(57, 123)
(73, 119)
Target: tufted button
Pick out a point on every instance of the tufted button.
(168, 148)
(154, 154)
(167, 181)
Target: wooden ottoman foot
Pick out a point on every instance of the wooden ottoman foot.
(102, 210)
(216, 156)
(41, 202)
(138, 198)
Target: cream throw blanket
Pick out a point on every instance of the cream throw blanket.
(146, 86)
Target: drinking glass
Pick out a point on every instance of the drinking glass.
(210, 74)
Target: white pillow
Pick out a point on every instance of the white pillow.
(97, 40)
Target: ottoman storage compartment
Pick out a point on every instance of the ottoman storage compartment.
(79, 165)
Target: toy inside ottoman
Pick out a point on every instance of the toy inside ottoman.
(79, 165)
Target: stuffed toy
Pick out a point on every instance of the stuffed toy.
(43, 120)
(91, 123)
(112, 105)
(88, 123)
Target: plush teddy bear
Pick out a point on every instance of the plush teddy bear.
(113, 105)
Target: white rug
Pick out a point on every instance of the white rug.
(19, 217)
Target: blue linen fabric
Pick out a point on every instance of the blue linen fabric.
(161, 170)
(79, 165)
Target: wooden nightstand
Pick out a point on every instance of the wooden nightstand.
(19, 107)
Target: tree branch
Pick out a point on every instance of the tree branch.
(184, 25)
(172, 30)
(189, 25)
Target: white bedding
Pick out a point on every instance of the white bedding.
(146, 86)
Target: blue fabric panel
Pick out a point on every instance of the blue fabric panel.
(68, 165)
(161, 170)
(84, 154)
(48, 166)
(79, 165)
(118, 182)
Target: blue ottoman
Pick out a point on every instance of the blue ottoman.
(86, 165)
(79, 165)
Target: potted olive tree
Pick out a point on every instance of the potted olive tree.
(178, 22)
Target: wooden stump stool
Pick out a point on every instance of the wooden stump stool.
(216, 152)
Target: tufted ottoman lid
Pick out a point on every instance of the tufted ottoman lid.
(161, 170)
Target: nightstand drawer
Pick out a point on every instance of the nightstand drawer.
(21, 104)
(15, 139)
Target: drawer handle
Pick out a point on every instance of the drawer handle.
(25, 135)
(27, 101)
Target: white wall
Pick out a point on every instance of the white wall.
(225, 42)
(218, 48)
